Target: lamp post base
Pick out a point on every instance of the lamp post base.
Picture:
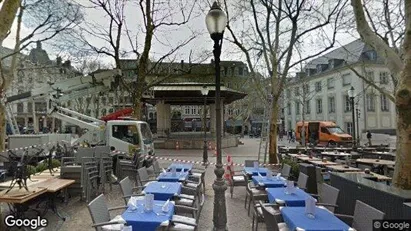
(219, 187)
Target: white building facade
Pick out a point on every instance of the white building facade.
(320, 93)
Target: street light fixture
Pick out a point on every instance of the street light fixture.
(216, 21)
(351, 94)
(204, 92)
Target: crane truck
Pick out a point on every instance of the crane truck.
(120, 135)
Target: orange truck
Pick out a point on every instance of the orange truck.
(324, 132)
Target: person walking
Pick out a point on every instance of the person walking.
(369, 136)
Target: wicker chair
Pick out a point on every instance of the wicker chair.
(302, 181)
(184, 223)
(100, 213)
(143, 177)
(271, 216)
(198, 173)
(257, 213)
(249, 163)
(128, 190)
(237, 180)
(363, 216)
(328, 197)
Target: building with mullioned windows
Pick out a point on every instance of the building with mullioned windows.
(320, 91)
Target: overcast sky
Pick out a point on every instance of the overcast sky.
(166, 38)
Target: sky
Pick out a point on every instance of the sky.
(166, 39)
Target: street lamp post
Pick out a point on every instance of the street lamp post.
(216, 21)
(204, 92)
(351, 93)
(358, 126)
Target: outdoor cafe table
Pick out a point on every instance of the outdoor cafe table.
(179, 166)
(149, 221)
(343, 168)
(375, 162)
(269, 183)
(321, 163)
(163, 190)
(168, 177)
(278, 195)
(296, 219)
(254, 171)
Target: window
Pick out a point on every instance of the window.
(187, 110)
(306, 89)
(88, 112)
(103, 112)
(318, 86)
(193, 110)
(307, 107)
(88, 100)
(29, 107)
(297, 91)
(348, 127)
(330, 83)
(347, 103)
(69, 103)
(126, 133)
(110, 100)
(146, 134)
(288, 94)
(331, 104)
(111, 110)
(346, 79)
(370, 102)
(384, 103)
(289, 108)
(240, 71)
(372, 55)
(370, 76)
(297, 107)
(20, 108)
(104, 101)
(383, 77)
(319, 106)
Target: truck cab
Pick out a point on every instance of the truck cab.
(130, 136)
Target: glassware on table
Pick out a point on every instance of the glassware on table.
(148, 202)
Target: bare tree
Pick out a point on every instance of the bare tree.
(272, 30)
(398, 61)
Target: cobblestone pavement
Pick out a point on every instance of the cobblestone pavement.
(78, 217)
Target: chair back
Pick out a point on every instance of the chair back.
(364, 216)
(126, 188)
(143, 175)
(318, 175)
(98, 210)
(285, 171)
(156, 167)
(269, 217)
(302, 180)
(329, 195)
(249, 163)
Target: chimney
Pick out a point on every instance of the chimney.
(59, 60)
(212, 61)
(182, 63)
(38, 45)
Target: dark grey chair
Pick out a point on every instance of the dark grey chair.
(271, 216)
(128, 190)
(249, 163)
(237, 180)
(302, 181)
(328, 197)
(363, 216)
(143, 177)
(100, 213)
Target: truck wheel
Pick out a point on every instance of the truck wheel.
(331, 143)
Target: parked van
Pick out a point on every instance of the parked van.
(325, 132)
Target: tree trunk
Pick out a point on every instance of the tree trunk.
(402, 172)
(273, 133)
(137, 106)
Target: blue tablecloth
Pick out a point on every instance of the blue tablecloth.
(168, 176)
(254, 171)
(187, 167)
(295, 199)
(269, 183)
(140, 220)
(163, 190)
(324, 220)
